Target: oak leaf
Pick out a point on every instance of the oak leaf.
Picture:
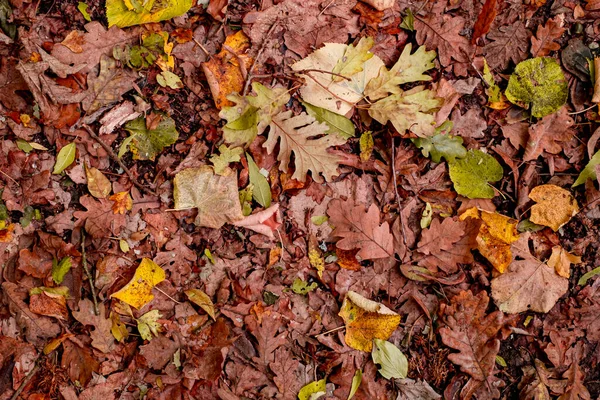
(360, 229)
(548, 135)
(555, 206)
(354, 59)
(138, 291)
(508, 42)
(102, 338)
(409, 389)
(268, 337)
(79, 362)
(545, 39)
(366, 320)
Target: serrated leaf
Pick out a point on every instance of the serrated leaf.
(226, 155)
(60, 269)
(313, 390)
(98, 184)
(148, 324)
(394, 364)
(296, 136)
(262, 190)
(138, 291)
(408, 68)
(145, 144)
(302, 287)
(123, 13)
(169, 79)
(411, 110)
(472, 174)
(440, 145)
(540, 82)
(356, 381)
(202, 300)
(589, 172)
(366, 146)
(354, 58)
(215, 196)
(65, 157)
(338, 124)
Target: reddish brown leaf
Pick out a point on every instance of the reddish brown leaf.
(508, 43)
(545, 39)
(79, 362)
(50, 305)
(267, 334)
(549, 135)
(484, 20)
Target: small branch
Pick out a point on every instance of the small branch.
(260, 51)
(88, 273)
(27, 379)
(304, 71)
(112, 155)
(163, 292)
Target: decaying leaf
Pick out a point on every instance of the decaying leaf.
(215, 196)
(366, 320)
(555, 206)
(202, 300)
(139, 289)
(145, 144)
(561, 261)
(124, 13)
(354, 59)
(472, 174)
(122, 202)
(98, 184)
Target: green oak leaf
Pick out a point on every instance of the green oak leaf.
(589, 172)
(354, 58)
(226, 155)
(438, 146)
(540, 82)
(146, 144)
(471, 175)
(338, 124)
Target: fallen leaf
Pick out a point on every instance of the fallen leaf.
(545, 39)
(82, 7)
(507, 43)
(215, 196)
(313, 390)
(146, 144)
(79, 362)
(65, 158)
(138, 291)
(338, 124)
(394, 364)
(226, 155)
(261, 191)
(366, 146)
(122, 202)
(366, 320)
(589, 172)
(50, 303)
(302, 287)
(555, 206)
(585, 277)
(60, 269)
(484, 20)
(360, 229)
(549, 135)
(440, 145)
(148, 324)
(169, 79)
(409, 389)
(102, 339)
(123, 13)
(202, 300)
(99, 220)
(356, 381)
(98, 184)
(353, 59)
(108, 86)
(263, 222)
(561, 261)
(472, 174)
(538, 82)
(73, 41)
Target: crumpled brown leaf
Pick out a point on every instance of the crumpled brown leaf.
(508, 42)
(99, 219)
(102, 339)
(79, 362)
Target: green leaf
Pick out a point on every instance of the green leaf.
(366, 146)
(23, 145)
(408, 21)
(262, 190)
(59, 270)
(146, 144)
(169, 79)
(585, 277)
(356, 381)
(501, 362)
(301, 287)
(65, 157)
(411, 110)
(540, 82)
(148, 324)
(209, 255)
(313, 390)
(471, 175)
(338, 124)
(28, 215)
(60, 290)
(123, 13)
(123, 245)
(589, 172)
(408, 68)
(246, 199)
(82, 7)
(393, 362)
(438, 146)
(227, 155)
(354, 58)
(319, 220)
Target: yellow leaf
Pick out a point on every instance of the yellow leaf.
(315, 259)
(223, 71)
(122, 202)
(124, 13)
(366, 320)
(148, 324)
(496, 233)
(555, 206)
(118, 329)
(138, 291)
(561, 261)
(98, 184)
(313, 390)
(201, 299)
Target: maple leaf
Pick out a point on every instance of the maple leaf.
(410, 110)
(360, 229)
(408, 68)
(549, 135)
(473, 333)
(296, 135)
(545, 39)
(528, 284)
(509, 42)
(471, 175)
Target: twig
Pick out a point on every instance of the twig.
(163, 292)
(396, 191)
(9, 177)
(330, 331)
(28, 378)
(303, 71)
(88, 273)
(260, 51)
(112, 155)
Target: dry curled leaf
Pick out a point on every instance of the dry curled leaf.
(555, 206)
(561, 261)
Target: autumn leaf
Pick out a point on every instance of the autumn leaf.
(313, 390)
(108, 86)
(79, 362)
(589, 172)
(215, 196)
(555, 206)
(354, 59)
(360, 229)
(226, 155)
(561, 261)
(123, 13)
(146, 144)
(506, 43)
(148, 324)
(440, 145)
(98, 184)
(65, 158)
(484, 20)
(366, 320)
(338, 124)
(138, 291)
(102, 338)
(50, 302)
(122, 202)
(549, 135)
(472, 174)
(261, 191)
(545, 39)
(394, 364)
(202, 300)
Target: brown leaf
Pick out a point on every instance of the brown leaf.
(11, 81)
(49, 304)
(360, 229)
(555, 206)
(79, 362)
(484, 20)
(207, 363)
(575, 388)
(549, 135)
(102, 339)
(534, 385)
(545, 39)
(267, 334)
(107, 85)
(288, 374)
(99, 220)
(561, 261)
(159, 352)
(508, 43)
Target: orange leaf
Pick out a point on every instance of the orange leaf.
(484, 20)
(122, 202)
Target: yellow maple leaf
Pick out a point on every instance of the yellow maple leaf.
(496, 233)
(366, 320)
(561, 261)
(124, 13)
(555, 206)
(122, 202)
(138, 291)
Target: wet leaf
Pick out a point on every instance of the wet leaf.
(262, 191)
(65, 158)
(146, 144)
(338, 124)
(472, 174)
(393, 363)
(538, 82)
(98, 184)
(366, 320)
(148, 324)
(555, 206)
(124, 13)
(202, 300)
(138, 291)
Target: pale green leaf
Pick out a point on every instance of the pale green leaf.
(23, 145)
(146, 144)
(202, 300)
(408, 20)
(59, 290)
(313, 390)
(356, 381)
(82, 7)
(226, 155)
(60, 269)
(589, 172)
(319, 219)
(540, 82)
(394, 364)
(262, 190)
(123, 245)
(338, 124)
(124, 13)
(426, 216)
(169, 79)
(585, 277)
(438, 146)
(501, 362)
(148, 324)
(366, 146)
(354, 58)
(302, 287)
(471, 175)
(246, 199)
(65, 157)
